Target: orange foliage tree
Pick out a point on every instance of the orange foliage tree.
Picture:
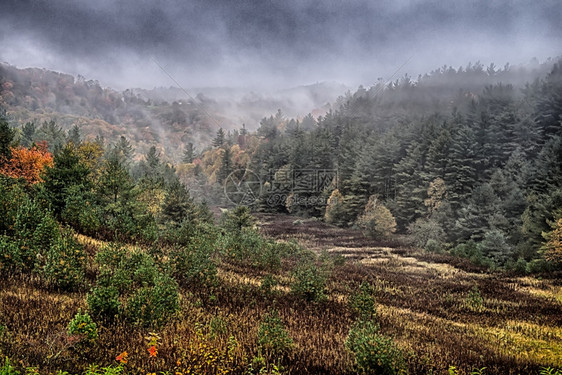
(27, 163)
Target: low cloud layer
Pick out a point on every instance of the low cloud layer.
(271, 44)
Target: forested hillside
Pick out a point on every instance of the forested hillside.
(467, 160)
(167, 118)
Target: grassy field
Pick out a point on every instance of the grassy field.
(441, 311)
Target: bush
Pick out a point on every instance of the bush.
(46, 233)
(194, 264)
(374, 353)
(376, 220)
(538, 266)
(363, 302)
(495, 246)
(83, 325)
(272, 335)
(12, 195)
(267, 284)
(520, 266)
(153, 305)
(103, 302)
(218, 326)
(251, 249)
(433, 246)
(474, 300)
(309, 283)
(134, 286)
(65, 266)
(424, 230)
(10, 254)
(8, 369)
(238, 219)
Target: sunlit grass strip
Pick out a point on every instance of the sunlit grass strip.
(520, 340)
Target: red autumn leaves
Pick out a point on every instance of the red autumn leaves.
(27, 163)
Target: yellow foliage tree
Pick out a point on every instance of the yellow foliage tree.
(377, 220)
(552, 248)
(334, 208)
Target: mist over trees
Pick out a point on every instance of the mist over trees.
(460, 163)
(462, 160)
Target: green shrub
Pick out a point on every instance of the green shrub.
(363, 302)
(338, 259)
(238, 219)
(80, 210)
(83, 325)
(520, 266)
(12, 195)
(46, 234)
(103, 302)
(153, 304)
(433, 246)
(8, 369)
(109, 370)
(28, 217)
(247, 246)
(495, 246)
(374, 353)
(10, 254)
(193, 264)
(538, 266)
(424, 230)
(272, 335)
(135, 286)
(309, 283)
(111, 256)
(474, 300)
(550, 371)
(65, 265)
(267, 284)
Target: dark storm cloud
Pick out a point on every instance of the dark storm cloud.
(211, 42)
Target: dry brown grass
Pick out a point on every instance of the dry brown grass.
(421, 302)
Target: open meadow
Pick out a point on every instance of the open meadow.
(439, 311)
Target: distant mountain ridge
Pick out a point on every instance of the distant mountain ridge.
(166, 117)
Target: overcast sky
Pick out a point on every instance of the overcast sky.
(280, 43)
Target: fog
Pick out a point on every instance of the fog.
(271, 44)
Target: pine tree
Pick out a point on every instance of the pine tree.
(412, 186)
(188, 153)
(6, 137)
(178, 205)
(552, 247)
(67, 171)
(461, 171)
(115, 181)
(28, 134)
(52, 134)
(476, 217)
(226, 165)
(549, 106)
(74, 136)
(219, 140)
(123, 150)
